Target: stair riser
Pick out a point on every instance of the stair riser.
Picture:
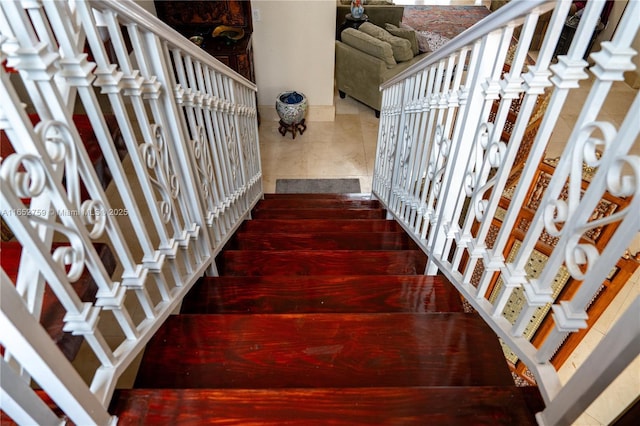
(322, 262)
(324, 196)
(327, 213)
(316, 203)
(319, 225)
(326, 241)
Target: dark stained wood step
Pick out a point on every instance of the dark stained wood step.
(533, 398)
(321, 195)
(317, 203)
(322, 213)
(322, 241)
(489, 406)
(326, 294)
(321, 262)
(320, 225)
(323, 350)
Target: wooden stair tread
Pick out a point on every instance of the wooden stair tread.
(326, 294)
(322, 315)
(342, 407)
(320, 225)
(317, 203)
(319, 213)
(323, 350)
(322, 262)
(326, 240)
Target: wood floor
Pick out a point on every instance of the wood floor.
(322, 315)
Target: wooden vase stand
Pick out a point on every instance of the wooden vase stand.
(293, 128)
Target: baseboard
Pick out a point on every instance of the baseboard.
(314, 113)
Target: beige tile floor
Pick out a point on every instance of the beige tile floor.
(344, 148)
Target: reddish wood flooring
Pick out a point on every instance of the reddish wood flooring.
(322, 262)
(488, 405)
(321, 316)
(322, 294)
(319, 350)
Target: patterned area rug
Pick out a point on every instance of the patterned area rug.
(427, 41)
(446, 21)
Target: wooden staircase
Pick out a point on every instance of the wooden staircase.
(321, 315)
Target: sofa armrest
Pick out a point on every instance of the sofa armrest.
(388, 74)
(359, 75)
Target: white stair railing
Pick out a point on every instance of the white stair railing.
(443, 167)
(166, 174)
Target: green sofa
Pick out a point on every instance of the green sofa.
(363, 64)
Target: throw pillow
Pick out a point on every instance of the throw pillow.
(369, 45)
(400, 46)
(406, 34)
(423, 42)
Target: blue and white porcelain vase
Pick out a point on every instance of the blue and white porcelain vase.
(291, 107)
(357, 10)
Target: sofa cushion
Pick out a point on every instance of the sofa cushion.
(405, 33)
(369, 45)
(401, 47)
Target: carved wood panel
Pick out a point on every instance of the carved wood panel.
(202, 17)
(212, 13)
(565, 287)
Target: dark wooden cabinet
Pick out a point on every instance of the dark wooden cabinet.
(237, 56)
(192, 18)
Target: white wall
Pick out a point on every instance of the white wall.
(294, 45)
(148, 5)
